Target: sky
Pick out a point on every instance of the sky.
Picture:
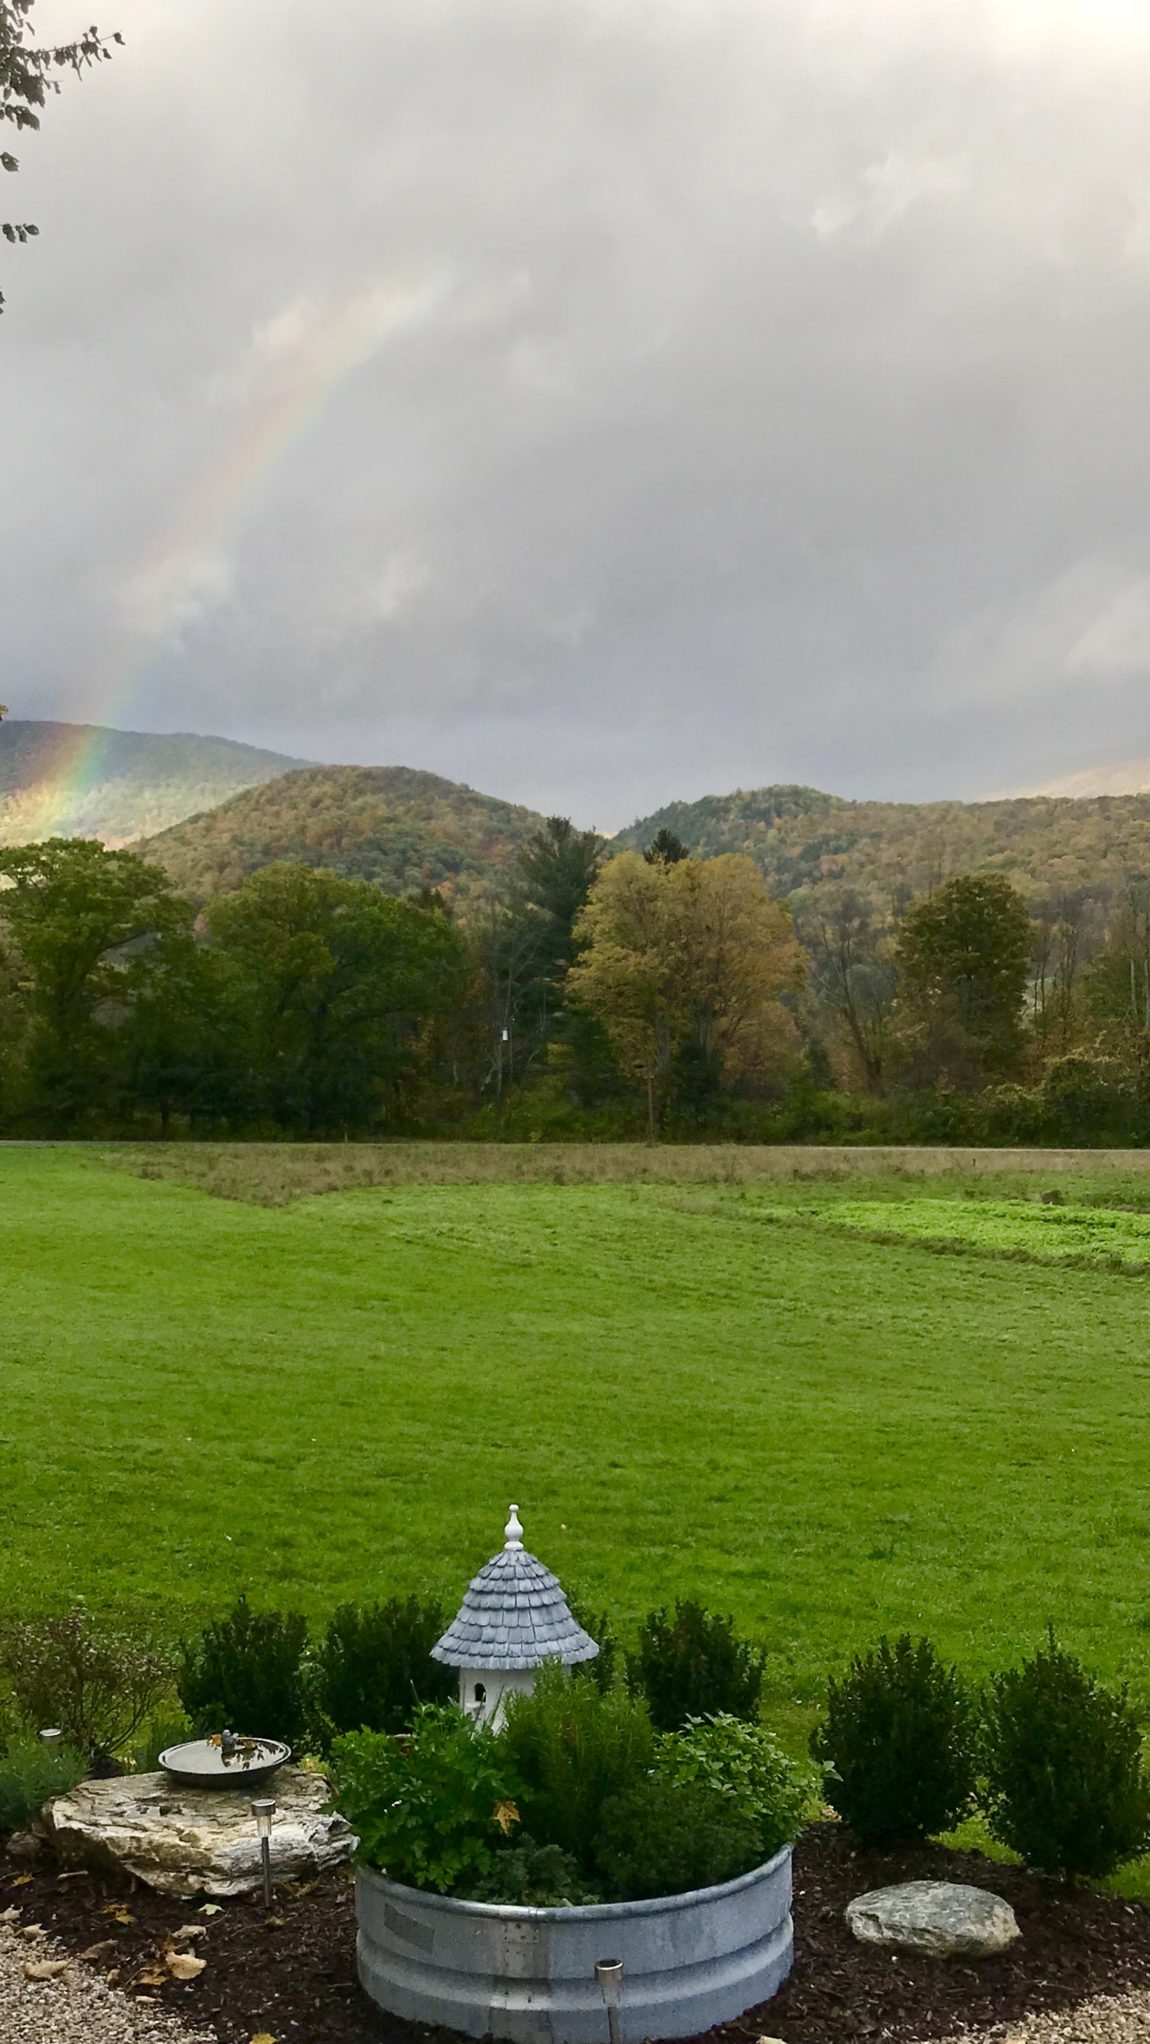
(603, 402)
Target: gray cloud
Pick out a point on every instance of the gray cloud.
(599, 403)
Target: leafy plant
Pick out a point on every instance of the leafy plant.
(31, 1773)
(572, 1746)
(663, 1838)
(374, 1664)
(692, 1663)
(535, 1877)
(246, 1673)
(1066, 1785)
(96, 1682)
(899, 1739)
(746, 1765)
(429, 1810)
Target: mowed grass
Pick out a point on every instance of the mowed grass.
(824, 1434)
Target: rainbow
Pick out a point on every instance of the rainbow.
(297, 363)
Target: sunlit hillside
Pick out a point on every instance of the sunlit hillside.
(83, 780)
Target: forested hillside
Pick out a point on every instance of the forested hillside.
(893, 851)
(401, 829)
(83, 780)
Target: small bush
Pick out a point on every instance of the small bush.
(660, 1838)
(899, 1738)
(429, 1810)
(31, 1773)
(374, 1665)
(571, 1747)
(96, 1682)
(693, 1664)
(603, 1671)
(163, 1729)
(534, 1877)
(246, 1673)
(1066, 1786)
(746, 1765)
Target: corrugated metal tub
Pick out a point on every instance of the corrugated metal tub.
(689, 1961)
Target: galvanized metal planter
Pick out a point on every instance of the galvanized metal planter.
(689, 1961)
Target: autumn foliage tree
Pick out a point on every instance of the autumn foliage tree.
(686, 961)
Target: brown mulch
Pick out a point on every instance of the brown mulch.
(292, 1974)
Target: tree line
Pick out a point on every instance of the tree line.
(596, 995)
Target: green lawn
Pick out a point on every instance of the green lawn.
(825, 1434)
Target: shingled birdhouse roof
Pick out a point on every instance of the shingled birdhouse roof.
(513, 1616)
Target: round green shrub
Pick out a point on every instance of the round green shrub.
(691, 1663)
(374, 1665)
(899, 1741)
(1066, 1786)
(246, 1672)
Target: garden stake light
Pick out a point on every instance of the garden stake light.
(609, 1974)
(50, 1737)
(263, 1811)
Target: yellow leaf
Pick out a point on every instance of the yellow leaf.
(46, 1969)
(184, 1965)
(263, 2037)
(505, 1815)
(118, 1913)
(152, 1978)
(187, 1933)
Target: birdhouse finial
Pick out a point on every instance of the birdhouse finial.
(513, 1531)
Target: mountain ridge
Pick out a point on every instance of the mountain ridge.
(401, 827)
(91, 780)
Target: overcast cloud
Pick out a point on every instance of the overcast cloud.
(600, 401)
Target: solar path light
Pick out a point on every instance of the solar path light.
(609, 1974)
(263, 1811)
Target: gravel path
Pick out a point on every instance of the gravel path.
(1105, 2019)
(75, 2006)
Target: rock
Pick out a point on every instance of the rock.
(940, 1917)
(196, 1841)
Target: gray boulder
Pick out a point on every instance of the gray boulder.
(196, 1841)
(940, 1917)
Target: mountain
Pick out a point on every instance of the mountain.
(1131, 777)
(897, 849)
(404, 830)
(84, 780)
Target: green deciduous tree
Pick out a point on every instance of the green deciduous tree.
(90, 936)
(333, 981)
(28, 73)
(964, 954)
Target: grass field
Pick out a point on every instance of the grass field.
(337, 1394)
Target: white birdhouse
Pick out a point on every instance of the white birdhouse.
(513, 1619)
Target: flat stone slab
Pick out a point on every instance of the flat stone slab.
(197, 1841)
(944, 1918)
